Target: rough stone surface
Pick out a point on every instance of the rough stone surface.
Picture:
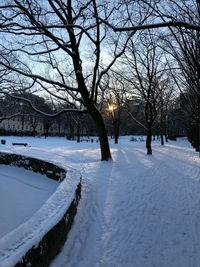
(52, 242)
(36, 165)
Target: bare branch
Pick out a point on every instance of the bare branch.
(44, 113)
(9, 117)
(179, 24)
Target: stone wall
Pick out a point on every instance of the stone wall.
(51, 243)
(36, 165)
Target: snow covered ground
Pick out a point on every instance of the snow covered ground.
(22, 193)
(136, 211)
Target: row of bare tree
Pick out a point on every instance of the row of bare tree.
(82, 52)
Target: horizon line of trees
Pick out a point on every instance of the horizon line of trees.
(118, 119)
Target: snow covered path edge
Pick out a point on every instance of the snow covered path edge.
(18, 243)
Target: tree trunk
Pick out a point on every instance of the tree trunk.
(116, 131)
(161, 139)
(101, 130)
(78, 131)
(148, 140)
(34, 131)
(71, 130)
(161, 127)
(88, 102)
(198, 126)
(197, 138)
(22, 126)
(116, 139)
(165, 129)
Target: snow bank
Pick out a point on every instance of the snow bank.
(15, 244)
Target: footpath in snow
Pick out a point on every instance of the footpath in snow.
(136, 211)
(139, 211)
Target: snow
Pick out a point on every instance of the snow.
(137, 210)
(16, 243)
(20, 206)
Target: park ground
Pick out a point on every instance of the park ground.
(136, 210)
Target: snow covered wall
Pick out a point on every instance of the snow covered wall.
(37, 241)
(49, 169)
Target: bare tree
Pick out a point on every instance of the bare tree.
(115, 98)
(184, 46)
(144, 68)
(56, 46)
